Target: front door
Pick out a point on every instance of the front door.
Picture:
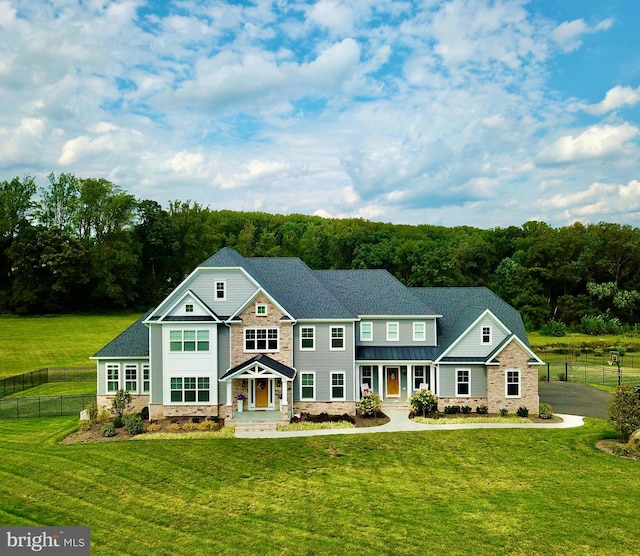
(262, 393)
(393, 382)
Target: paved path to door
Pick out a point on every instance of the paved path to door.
(575, 399)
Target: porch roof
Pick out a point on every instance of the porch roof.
(263, 361)
(395, 353)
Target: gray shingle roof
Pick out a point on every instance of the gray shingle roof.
(133, 342)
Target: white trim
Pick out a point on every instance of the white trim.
(267, 349)
(252, 389)
(489, 342)
(397, 325)
(314, 338)
(344, 386)
(344, 338)
(314, 386)
(506, 383)
(252, 298)
(193, 300)
(416, 338)
(386, 382)
(145, 367)
(182, 375)
(258, 307)
(457, 383)
(215, 290)
(116, 366)
(362, 338)
(130, 367)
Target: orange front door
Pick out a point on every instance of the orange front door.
(262, 393)
(393, 382)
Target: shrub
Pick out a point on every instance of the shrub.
(634, 443)
(452, 409)
(423, 401)
(190, 426)
(624, 411)
(369, 405)
(522, 411)
(84, 425)
(561, 376)
(121, 402)
(466, 409)
(554, 328)
(104, 417)
(108, 430)
(600, 324)
(118, 423)
(208, 425)
(133, 423)
(504, 412)
(545, 411)
(173, 427)
(92, 409)
(482, 410)
(153, 427)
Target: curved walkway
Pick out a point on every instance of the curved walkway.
(399, 422)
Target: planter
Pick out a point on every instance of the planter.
(240, 406)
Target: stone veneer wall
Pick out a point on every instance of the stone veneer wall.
(138, 402)
(332, 408)
(512, 357)
(159, 411)
(272, 319)
(473, 403)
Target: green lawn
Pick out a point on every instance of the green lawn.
(480, 492)
(29, 343)
(57, 389)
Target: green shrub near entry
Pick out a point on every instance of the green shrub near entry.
(369, 405)
(522, 411)
(423, 402)
(545, 411)
(133, 423)
(504, 412)
(108, 430)
(452, 409)
(482, 410)
(624, 411)
(466, 409)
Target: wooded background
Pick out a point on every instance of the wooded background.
(85, 245)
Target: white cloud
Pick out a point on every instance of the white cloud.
(595, 142)
(568, 35)
(618, 97)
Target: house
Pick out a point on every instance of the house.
(270, 334)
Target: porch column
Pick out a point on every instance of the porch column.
(229, 400)
(380, 384)
(409, 380)
(285, 392)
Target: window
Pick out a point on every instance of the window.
(189, 340)
(463, 382)
(261, 310)
(337, 338)
(486, 335)
(393, 334)
(189, 389)
(221, 290)
(188, 308)
(513, 384)
(419, 331)
(337, 386)
(307, 338)
(307, 386)
(146, 378)
(420, 377)
(131, 377)
(261, 339)
(366, 331)
(367, 378)
(113, 377)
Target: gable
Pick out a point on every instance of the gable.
(470, 343)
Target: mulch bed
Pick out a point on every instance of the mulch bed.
(615, 447)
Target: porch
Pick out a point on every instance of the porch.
(394, 382)
(256, 421)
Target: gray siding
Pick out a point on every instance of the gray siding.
(323, 360)
(447, 386)
(224, 360)
(470, 345)
(406, 332)
(155, 352)
(101, 387)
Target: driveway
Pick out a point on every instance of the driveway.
(575, 399)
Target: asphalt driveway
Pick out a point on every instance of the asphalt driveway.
(575, 399)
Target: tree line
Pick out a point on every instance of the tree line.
(86, 245)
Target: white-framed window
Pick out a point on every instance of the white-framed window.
(366, 331)
(512, 383)
(261, 310)
(220, 289)
(393, 332)
(307, 338)
(420, 377)
(261, 339)
(338, 387)
(367, 377)
(113, 376)
(188, 308)
(486, 335)
(131, 377)
(146, 377)
(308, 385)
(336, 340)
(419, 331)
(463, 383)
(190, 389)
(189, 340)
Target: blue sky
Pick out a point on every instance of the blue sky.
(460, 112)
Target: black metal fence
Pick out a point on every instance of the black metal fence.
(44, 406)
(593, 357)
(18, 383)
(605, 374)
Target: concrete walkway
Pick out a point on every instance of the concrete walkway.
(399, 422)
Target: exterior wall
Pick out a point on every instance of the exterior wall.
(272, 319)
(513, 357)
(101, 386)
(471, 346)
(473, 403)
(447, 386)
(406, 332)
(332, 408)
(156, 360)
(138, 403)
(224, 360)
(159, 411)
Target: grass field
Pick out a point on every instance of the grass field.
(481, 492)
(32, 343)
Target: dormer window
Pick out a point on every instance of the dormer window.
(188, 308)
(221, 290)
(261, 310)
(486, 335)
